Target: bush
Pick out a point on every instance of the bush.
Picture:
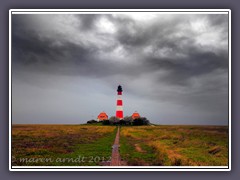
(140, 121)
(122, 122)
(105, 122)
(114, 120)
(126, 121)
(92, 121)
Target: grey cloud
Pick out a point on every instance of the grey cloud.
(219, 20)
(162, 60)
(196, 64)
(87, 21)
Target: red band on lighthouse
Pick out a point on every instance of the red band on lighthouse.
(119, 103)
(119, 111)
(119, 114)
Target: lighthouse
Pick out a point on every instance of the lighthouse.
(119, 111)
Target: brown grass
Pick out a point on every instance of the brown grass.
(181, 145)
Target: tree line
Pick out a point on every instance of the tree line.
(127, 121)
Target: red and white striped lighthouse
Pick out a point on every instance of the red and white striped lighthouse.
(119, 111)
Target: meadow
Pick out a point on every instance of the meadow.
(61, 145)
(174, 145)
(90, 145)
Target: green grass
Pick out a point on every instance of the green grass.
(61, 145)
(175, 145)
(90, 145)
(143, 156)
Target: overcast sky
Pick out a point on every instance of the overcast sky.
(173, 67)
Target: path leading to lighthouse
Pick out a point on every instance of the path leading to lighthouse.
(116, 160)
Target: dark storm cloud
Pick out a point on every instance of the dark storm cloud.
(173, 59)
(198, 63)
(162, 35)
(134, 33)
(30, 46)
(219, 20)
(87, 21)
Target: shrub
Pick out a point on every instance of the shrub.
(140, 121)
(105, 122)
(114, 120)
(92, 121)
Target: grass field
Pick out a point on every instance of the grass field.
(88, 145)
(174, 145)
(61, 145)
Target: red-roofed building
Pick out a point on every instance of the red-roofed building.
(102, 116)
(135, 115)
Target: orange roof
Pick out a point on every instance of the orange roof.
(102, 116)
(135, 115)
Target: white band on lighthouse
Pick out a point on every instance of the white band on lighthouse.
(119, 108)
(119, 97)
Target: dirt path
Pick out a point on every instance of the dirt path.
(116, 160)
